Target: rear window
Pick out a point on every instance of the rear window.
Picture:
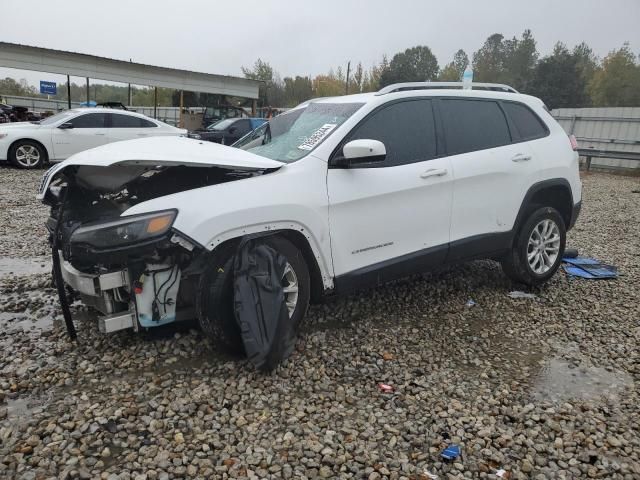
(471, 125)
(527, 124)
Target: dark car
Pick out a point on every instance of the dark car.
(5, 113)
(116, 105)
(212, 115)
(228, 131)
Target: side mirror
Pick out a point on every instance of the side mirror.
(232, 130)
(363, 151)
(65, 126)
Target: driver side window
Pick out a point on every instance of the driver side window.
(407, 129)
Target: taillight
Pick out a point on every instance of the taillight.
(574, 142)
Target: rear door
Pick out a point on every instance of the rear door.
(88, 131)
(401, 207)
(492, 171)
(128, 127)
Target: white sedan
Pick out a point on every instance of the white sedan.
(29, 145)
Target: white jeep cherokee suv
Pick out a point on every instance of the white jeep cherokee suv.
(336, 194)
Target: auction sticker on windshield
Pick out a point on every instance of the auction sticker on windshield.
(316, 137)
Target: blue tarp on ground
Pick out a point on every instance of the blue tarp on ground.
(590, 268)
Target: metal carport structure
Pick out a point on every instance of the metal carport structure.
(25, 57)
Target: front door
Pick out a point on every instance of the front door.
(395, 215)
(87, 131)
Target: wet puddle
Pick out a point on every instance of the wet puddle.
(24, 266)
(12, 321)
(560, 381)
(22, 409)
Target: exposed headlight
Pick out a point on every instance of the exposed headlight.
(126, 230)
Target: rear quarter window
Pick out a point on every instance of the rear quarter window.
(128, 121)
(527, 124)
(147, 124)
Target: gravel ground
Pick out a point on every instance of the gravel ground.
(542, 388)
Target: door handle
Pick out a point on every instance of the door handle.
(142, 134)
(100, 134)
(434, 172)
(521, 157)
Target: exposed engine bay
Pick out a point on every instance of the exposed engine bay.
(136, 270)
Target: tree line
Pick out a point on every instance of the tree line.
(567, 77)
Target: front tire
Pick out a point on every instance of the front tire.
(215, 302)
(27, 154)
(296, 284)
(537, 250)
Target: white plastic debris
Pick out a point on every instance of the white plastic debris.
(471, 303)
(432, 476)
(520, 294)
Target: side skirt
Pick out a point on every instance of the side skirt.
(489, 245)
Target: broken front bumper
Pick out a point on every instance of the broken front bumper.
(146, 299)
(102, 292)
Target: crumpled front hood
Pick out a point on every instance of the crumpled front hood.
(163, 151)
(170, 151)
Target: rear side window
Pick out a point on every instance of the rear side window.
(129, 121)
(527, 124)
(471, 125)
(89, 120)
(147, 124)
(406, 128)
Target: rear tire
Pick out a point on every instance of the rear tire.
(537, 250)
(27, 154)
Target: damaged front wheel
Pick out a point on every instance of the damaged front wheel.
(255, 296)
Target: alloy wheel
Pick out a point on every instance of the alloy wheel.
(290, 288)
(27, 156)
(543, 247)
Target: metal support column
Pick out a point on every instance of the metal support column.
(155, 102)
(129, 97)
(346, 88)
(88, 96)
(254, 107)
(181, 122)
(573, 124)
(68, 93)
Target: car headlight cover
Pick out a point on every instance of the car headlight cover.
(125, 230)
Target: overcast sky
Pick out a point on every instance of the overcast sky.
(303, 37)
